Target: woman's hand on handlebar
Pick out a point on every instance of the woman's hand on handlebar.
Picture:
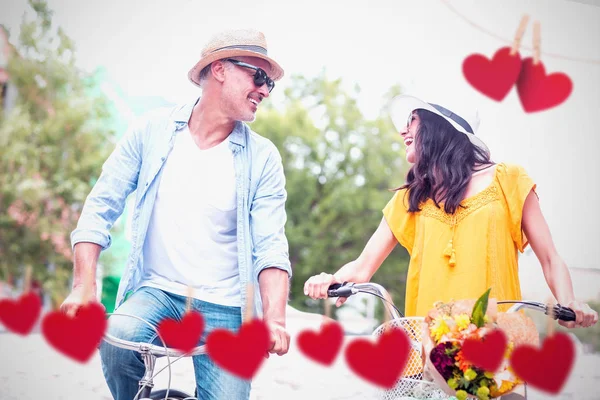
(585, 316)
(316, 287)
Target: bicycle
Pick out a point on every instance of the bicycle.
(413, 383)
(149, 353)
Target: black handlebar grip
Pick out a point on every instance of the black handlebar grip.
(339, 290)
(564, 313)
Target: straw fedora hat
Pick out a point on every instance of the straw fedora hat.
(233, 43)
(467, 123)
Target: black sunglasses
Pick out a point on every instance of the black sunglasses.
(411, 118)
(260, 76)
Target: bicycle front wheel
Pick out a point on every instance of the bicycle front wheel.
(173, 395)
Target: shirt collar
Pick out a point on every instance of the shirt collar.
(183, 114)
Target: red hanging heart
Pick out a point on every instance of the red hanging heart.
(19, 316)
(243, 353)
(381, 362)
(323, 346)
(487, 352)
(546, 368)
(494, 77)
(183, 335)
(539, 91)
(76, 337)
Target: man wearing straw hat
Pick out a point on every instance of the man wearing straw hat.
(209, 216)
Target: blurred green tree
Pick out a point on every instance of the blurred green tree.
(53, 141)
(339, 168)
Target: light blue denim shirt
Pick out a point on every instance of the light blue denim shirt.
(137, 163)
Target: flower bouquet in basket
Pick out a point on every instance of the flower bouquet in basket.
(455, 334)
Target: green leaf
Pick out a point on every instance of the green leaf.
(480, 308)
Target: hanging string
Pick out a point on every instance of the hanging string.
(492, 34)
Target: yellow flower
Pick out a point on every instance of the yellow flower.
(470, 374)
(439, 328)
(452, 383)
(462, 321)
(461, 395)
(483, 393)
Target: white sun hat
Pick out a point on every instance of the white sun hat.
(401, 106)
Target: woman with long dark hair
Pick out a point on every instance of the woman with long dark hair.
(462, 218)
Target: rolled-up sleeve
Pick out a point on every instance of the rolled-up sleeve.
(268, 218)
(107, 200)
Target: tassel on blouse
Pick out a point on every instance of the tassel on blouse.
(450, 253)
(452, 261)
(449, 249)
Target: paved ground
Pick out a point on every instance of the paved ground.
(30, 369)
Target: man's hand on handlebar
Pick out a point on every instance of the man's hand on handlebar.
(75, 300)
(316, 287)
(280, 338)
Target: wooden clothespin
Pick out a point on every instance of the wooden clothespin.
(550, 321)
(88, 284)
(27, 279)
(327, 307)
(6, 274)
(249, 312)
(188, 303)
(537, 41)
(387, 315)
(519, 35)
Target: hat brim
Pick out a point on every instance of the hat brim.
(276, 72)
(402, 105)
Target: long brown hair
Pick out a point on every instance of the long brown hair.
(445, 161)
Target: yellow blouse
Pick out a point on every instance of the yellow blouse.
(460, 256)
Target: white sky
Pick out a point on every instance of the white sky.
(148, 47)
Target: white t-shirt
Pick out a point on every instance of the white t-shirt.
(192, 236)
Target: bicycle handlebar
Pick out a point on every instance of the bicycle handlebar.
(348, 289)
(148, 348)
(556, 312)
(151, 348)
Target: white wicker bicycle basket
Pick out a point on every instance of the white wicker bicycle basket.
(412, 384)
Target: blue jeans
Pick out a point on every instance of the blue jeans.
(124, 368)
